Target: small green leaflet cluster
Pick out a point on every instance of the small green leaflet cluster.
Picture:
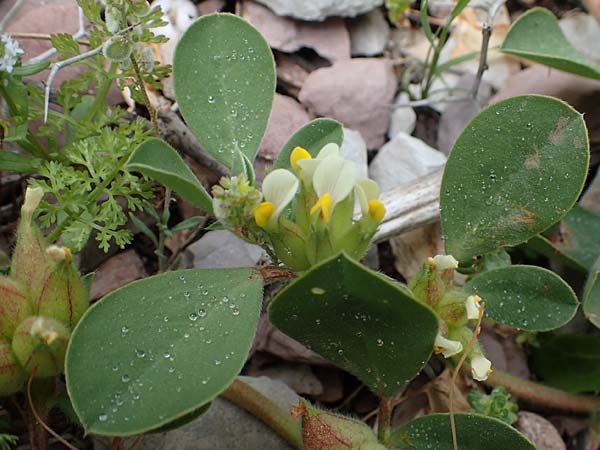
(86, 187)
(497, 403)
(8, 441)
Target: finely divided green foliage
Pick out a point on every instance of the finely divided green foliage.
(570, 362)
(516, 169)
(313, 137)
(224, 76)
(159, 161)
(525, 297)
(474, 432)
(537, 36)
(160, 348)
(591, 295)
(360, 320)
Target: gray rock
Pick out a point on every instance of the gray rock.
(403, 119)
(369, 34)
(539, 431)
(222, 248)
(403, 159)
(320, 9)
(224, 427)
(354, 148)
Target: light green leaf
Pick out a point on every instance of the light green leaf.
(537, 36)
(516, 169)
(360, 320)
(224, 76)
(30, 69)
(159, 161)
(474, 432)
(570, 362)
(591, 295)
(525, 297)
(16, 162)
(313, 137)
(160, 348)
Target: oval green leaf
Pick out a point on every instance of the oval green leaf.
(569, 362)
(474, 432)
(313, 137)
(537, 36)
(224, 76)
(160, 348)
(360, 320)
(591, 295)
(158, 160)
(515, 170)
(525, 297)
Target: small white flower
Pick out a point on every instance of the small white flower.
(367, 193)
(443, 262)
(481, 367)
(473, 307)
(11, 53)
(279, 188)
(447, 347)
(333, 181)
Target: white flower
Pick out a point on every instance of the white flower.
(10, 55)
(279, 188)
(473, 307)
(447, 347)
(481, 367)
(367, 192)
(333, 181)
(443, 262)
(307, 166)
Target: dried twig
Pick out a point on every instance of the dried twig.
(483, 64)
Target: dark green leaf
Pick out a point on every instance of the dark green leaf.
(313, 137)
(359, 319)
(516, 169)
(591, 295)
(536, 35)
(525, 297)
(224, 77)
(188, 223)
(569, 362)
(160, 348)
(474, 432)
(159, 161)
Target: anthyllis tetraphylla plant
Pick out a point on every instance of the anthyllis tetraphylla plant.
(41, 301)
(304, 215)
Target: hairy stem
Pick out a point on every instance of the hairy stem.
(266, 410)
(384, 419)
(147, 104)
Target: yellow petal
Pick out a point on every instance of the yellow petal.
(263, 212)
(376, 209)
(297, 154)
(324, 206)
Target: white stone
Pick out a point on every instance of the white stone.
(222, 249)
(320, 9)
(403, 119)
(354, 148)
(404, 159)
(369, 34)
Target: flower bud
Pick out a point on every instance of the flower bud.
(327, 431)
(12, 375)
(41, 342)
(430, 284)
(139, 8)
(117, 49)
(147, 60)
(14, 306)
(113, 19)
(64, 296)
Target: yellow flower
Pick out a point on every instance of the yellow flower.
(367, 192)
(279, 188)
(298, 154)
(333, 181)
(308, 166)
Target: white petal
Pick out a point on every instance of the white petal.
(481, 367)
(335, 176)
(331, 149)
(309, 166)
(279, 188)
(448, 346)
(443, 262)
(366, 190)
(472, 307)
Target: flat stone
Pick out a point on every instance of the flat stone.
(403, 118)
(117, 271)
(329, 39)
(287, 116)
(357, 92)
(224, 427)
(369, 34)
(354, 148)
(403, 159)
(318, 10)
(539, 431)
(222, 249)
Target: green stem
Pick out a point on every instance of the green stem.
(151, 111)
(101, 93)
(544, 395)
(160, 251)
(266, 410)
